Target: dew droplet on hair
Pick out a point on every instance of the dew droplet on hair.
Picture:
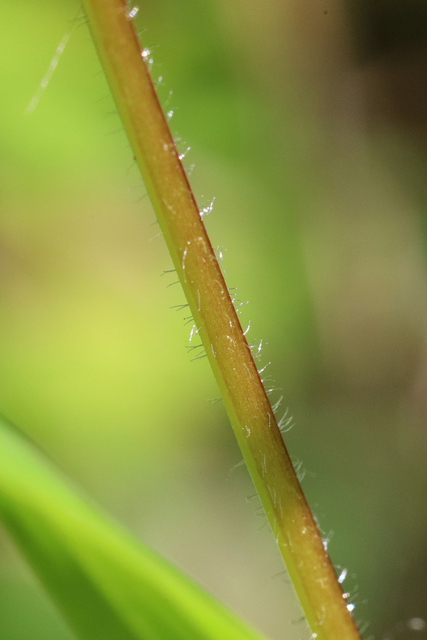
(342, 576)
(132, 13)
(184, 153)
(205, 211)
(219, 253)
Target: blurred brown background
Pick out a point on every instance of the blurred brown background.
(307, 122)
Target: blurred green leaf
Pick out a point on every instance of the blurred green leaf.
(107, 585)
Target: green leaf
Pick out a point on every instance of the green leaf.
(107, 584)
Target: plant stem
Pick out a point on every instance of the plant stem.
(246, 401)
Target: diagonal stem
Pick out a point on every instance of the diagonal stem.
(249, 409)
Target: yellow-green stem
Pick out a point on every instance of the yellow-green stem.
(246, 401)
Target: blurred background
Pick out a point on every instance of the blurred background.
(307, 122)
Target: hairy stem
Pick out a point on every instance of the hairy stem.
(246, 401)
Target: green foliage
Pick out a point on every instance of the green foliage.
(106, 584)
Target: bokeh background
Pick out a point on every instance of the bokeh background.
(307, 122)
